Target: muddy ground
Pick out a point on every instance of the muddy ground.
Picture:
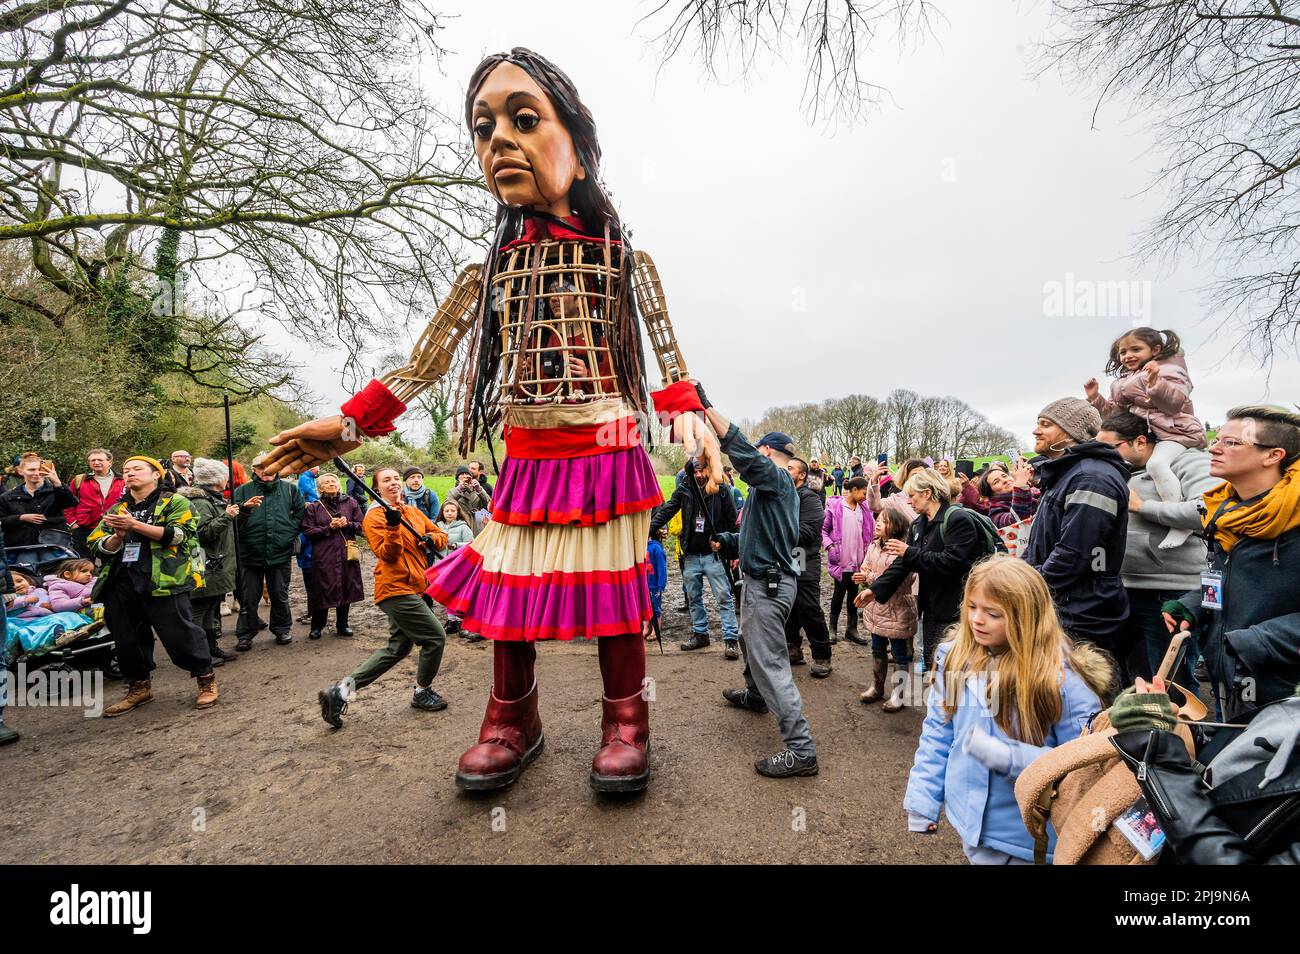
(260, 778)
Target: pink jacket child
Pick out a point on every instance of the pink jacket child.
(844, 556)
(68, 596)
(1166, 405)
(1155, 386)
(896, 617)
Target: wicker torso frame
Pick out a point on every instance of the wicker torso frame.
(572, 290)
(555, 301)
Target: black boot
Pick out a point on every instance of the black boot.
(219, 656)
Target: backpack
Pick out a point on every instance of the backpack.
(993, 542)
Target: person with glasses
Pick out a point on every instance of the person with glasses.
(1246, 611)
(1152, 575)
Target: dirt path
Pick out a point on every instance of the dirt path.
(260, 778)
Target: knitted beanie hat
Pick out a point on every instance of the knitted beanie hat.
(1075, 416)
(209, 473)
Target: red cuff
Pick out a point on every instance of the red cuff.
(374, 409)
(677, 398)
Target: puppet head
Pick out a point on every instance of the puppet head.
(535, 140)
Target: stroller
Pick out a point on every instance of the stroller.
(91, 645)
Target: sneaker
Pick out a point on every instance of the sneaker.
(796, 656)
(7, 735)
(304, 618)
(731, 649)
(820, 668)
(428, 700)
(314, 634)
(332, 705)
(243, 644)
(472, 637)
(697, 641)
(452, 626)
(785, 764)
(744, 699)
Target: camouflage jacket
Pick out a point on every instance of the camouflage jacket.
(174, 569)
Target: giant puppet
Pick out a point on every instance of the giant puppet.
(554, 360)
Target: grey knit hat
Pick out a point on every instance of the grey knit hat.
(209, 473)
(1075, 416)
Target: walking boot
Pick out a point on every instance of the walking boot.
(510, 739)
(879, 673)
(207, 697)
(219, 655)
(623, 762)
(137, 694)
(796, 655)
(895, 701)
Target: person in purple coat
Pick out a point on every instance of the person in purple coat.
(847, 529)
(330, 523)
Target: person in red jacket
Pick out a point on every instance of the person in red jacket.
(96, 492)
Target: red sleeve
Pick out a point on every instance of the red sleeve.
(374, 409)
(677, 398)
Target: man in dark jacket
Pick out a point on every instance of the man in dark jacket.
(1081, 527)
(807, 614)
(36, 504)
(1246, 613)
(270, 516)
(699, 562)
(766, 547)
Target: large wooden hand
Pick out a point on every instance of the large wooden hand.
(307, 445)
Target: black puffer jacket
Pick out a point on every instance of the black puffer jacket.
(940, 562)
(1219, 814)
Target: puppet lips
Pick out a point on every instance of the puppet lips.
(503, 167)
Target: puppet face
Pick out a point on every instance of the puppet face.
(525, 150)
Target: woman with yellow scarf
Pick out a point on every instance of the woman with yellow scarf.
(1247, 611)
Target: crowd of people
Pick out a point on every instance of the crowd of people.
(1127, 525)
(163, 548)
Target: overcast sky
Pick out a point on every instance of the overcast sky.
(916, 249)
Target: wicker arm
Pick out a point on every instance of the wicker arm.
(653, 306)
(432, 354)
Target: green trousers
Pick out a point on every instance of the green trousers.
(410, 622)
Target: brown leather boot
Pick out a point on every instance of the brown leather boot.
(137, 694)
(510, 739)
(207, 696)
(879, 673)
(622, 763)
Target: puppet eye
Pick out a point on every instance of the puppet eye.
(483, 129)
(527, 121)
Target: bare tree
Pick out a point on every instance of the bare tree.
(292, 140)
(1219, 82)
(836, 36)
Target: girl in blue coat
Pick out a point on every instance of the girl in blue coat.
(1008, 685)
